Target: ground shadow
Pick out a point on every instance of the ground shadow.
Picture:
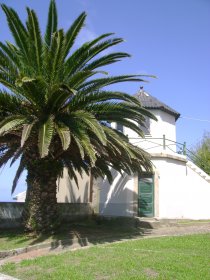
(94, 230)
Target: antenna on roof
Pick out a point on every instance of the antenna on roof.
(141, 91)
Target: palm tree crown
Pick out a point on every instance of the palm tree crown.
(54, 107)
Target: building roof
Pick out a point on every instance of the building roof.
(150, 102)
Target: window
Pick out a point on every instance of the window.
(119, 127)
(146, 127)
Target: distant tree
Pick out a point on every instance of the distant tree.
(201, 153)
(54, 112)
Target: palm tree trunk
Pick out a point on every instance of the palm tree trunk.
(41, 211)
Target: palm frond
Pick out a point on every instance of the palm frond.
(57, 54)
(114, 138)
(65, 136)
(131, 125)
(10, 123)
(26, 132)
(89, 149)
(105, 60)
(91, 124)
(7, 65)
(73, 31)
(46, 131)
(78, 58)
(16, 155)
(51, 22)
(7, 155)
(10, 103)
(82, 100)
(59, 98)
(111, 110)
(35, 37)
(79, 145)
(79, 131)
(11, 52)
(17, 29)
(102, 169)
(97, 84)
(19, 171)
(98, 48)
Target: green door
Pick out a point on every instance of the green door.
(146, 196)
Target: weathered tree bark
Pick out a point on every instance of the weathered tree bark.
(41, 211)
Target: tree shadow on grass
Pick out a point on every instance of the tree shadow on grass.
(102, 230)
(81, 233)
(95, 231)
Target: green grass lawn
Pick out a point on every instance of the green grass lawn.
(13, 239)
(183, 257)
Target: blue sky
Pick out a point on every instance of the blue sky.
(169, 39)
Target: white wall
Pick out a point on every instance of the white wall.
(165, 125)
(117, 199)
(68, 191)
(183, 193)
(198, 195)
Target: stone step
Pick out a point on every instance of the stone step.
(199, 171)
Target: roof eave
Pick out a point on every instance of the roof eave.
(176, 115)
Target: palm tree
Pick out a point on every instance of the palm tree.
(55, 112)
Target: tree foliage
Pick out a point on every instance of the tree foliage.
(201, 153)
(54, 100)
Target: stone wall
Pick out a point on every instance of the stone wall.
(10, 212)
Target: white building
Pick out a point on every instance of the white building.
(20, 197)
(176, 189)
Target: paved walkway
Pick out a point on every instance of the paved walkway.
(6, 277)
